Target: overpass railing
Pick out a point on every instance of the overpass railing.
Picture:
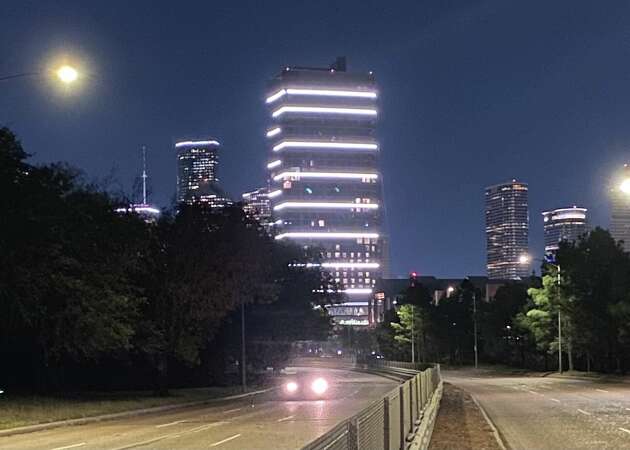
(405, 414)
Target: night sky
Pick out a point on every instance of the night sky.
(472, 93)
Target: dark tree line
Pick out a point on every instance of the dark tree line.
(90, 298)
(519, 325)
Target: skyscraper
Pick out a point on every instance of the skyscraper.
(197, 180)
(256, 205)
(564, 224)
(326, 188)
(620, 211)
(507, 230)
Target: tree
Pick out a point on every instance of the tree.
(66, 260)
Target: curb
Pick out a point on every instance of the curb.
(132, 413)
(495, 431)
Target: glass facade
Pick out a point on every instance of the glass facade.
(256, 205)
(197, 180)
(620, 211)
(325, 184)
(564, 224)
(507, 230)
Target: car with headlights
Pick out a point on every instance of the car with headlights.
(306, 386)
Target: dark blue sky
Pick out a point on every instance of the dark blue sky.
(472, 93)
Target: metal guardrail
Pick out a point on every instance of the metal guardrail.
(405, 414)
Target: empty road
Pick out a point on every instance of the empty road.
(551, 413)
(271, 423)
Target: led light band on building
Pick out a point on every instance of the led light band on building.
(274, 194)
(273, 164)
(320, 92)
(327, 235)
(273, 132)
(307, 144)
(351, 265)
(325, 205)
(357, 291)
(330, 175)
(193, 143)
(324, 110)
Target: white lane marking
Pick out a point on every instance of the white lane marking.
(584, 412)
(81, 444)
(169, 424)
(534, 392)
(286, 418)
(555, 400)
(232, 410)
(139, 444)
(226, 440)
(624, 429)
(204, 427)
(627, 409)
(601, 390)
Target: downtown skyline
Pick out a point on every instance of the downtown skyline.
(426, 128)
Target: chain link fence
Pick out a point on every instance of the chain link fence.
(404, 414)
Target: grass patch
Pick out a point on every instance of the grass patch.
(21, 410)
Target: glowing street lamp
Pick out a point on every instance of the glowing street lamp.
(67, 74)
(625, 186)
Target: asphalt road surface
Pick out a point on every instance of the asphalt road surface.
(551, 413)
(271, 423)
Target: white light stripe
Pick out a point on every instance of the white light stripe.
(307, 144)
(273, 164)
(80, 444)
(192, 143)
(273, 131)
(356, 291)
(276, 96)
(351, 265)
(349, 304)
(326, 235)
(324, 110)
(274, 194)
(320, 92)
(334, 175)
(331, 93)
(326, 205)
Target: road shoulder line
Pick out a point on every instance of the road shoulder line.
(495, 430)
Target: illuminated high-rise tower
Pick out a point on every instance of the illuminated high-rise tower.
(507, 230)
(197, 180)
(325, 184)
(563, 224)
(620, 211)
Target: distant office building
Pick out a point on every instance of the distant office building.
(507, 230)
(564, 224)
(257, 205)
(197, 181)
(324, 168)
(620, 211)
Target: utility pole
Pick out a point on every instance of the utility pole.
(475, 327)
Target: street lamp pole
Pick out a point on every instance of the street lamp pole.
(559, 324)
(475, 328)
(525, 259)
(413, 339)
(243, 353)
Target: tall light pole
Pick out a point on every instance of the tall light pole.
(475, 327)
(413, 350)
(524, 259)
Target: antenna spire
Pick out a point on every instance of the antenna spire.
(144, 175)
